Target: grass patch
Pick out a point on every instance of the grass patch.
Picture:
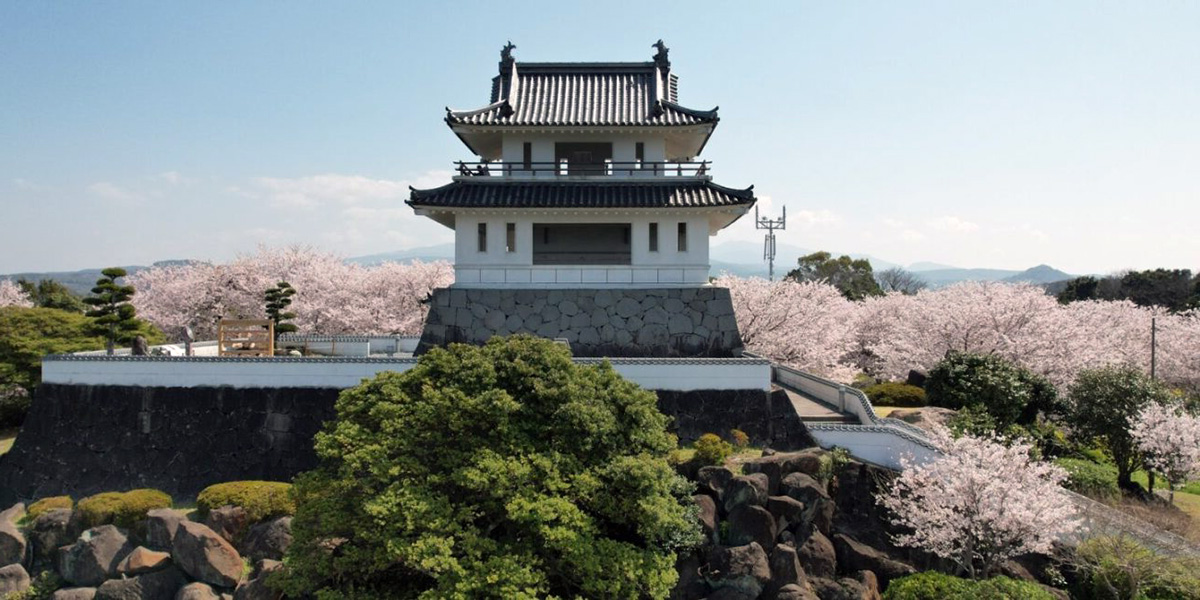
(7, 437)
(883, 411)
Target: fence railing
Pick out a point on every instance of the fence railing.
(567, 168)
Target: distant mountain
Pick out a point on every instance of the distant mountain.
(919, 267)
(943, 277)
(1039, 274)
(81, 282)
(423, 254)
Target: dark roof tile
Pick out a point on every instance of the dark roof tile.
(471, 194)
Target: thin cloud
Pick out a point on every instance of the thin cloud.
(334, 188)
(111, 191)
(953, 225)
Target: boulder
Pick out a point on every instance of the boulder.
(779, 465)
(795, 592)
(159, 585)
(161, 525)
(50, 531)
(744, 568)
(13, 578)
(853, 555)
(13, 513)
(256, 587)
(842, 589)
(751, 524)
(818, 556)
(818, 505)
(206, 556)
(708, 518)
(731, 593)
(86, 593)
(269, 539)
(713, 480)
(197, 591)
(786, 510)
(870, 583)
(93, 558)
(785, 569)
(230, 522)
(12, 543)
(691, 584)
(143, 560)
(740, 491)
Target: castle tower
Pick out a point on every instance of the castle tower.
(587, 214)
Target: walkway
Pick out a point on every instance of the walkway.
(812, 410)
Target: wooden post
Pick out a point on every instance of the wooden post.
(246, 337)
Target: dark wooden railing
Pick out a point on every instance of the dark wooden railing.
(593, 169)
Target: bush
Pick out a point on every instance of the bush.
(712, 450)
(1119, 567)
(261, 500)
(1089, 478)
(501, 471)
(48, 504)
(123, 509)
(931, 585)
(1010, 394)
(894, 393)
(740, 439)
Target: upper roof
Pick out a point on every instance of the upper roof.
(584, 94)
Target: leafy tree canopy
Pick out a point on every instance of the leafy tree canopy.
(502, 471)
(1173, 289)
(1103, 405)
(853, 278)
(28, 334)
(278, 299)
(48, 293)
(1010, 395)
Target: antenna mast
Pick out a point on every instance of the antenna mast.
(769, 241)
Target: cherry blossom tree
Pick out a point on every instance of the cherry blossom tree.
(11, 294)
(1169, 438)
(979, 504)
(808, 325)
(334, 296)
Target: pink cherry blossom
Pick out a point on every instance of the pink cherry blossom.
(1169, 438)
(11, 294)
(979, 504)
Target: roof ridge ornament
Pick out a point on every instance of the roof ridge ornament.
(660, 57)
(506, 57)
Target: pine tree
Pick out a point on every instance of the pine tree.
(113, 315)
(278, 298)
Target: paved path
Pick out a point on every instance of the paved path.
(811, 409)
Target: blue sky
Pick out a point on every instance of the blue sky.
(986, 134)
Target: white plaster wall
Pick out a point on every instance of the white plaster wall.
(624, 146)
(883, 448)
(685, 375)
(497, 267)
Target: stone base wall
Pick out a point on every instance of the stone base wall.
(668, 322)
(80, 440)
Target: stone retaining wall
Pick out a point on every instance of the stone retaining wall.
(80, 439)
(669, 322)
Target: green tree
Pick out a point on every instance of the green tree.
(854, 278)
(1101, 406)
(278, 299)
(26, 335)
(1169, 288)
(115, 318)
(1010, 395)
(48, 293)
(1080, 288)
(501, 471)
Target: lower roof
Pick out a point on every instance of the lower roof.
(573, 194)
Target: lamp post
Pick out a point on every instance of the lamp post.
(769, 241)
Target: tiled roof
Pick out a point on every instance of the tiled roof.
(471, 194)
(583, 94)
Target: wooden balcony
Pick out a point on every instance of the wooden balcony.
(574, 170)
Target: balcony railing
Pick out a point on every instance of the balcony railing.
(577, 169)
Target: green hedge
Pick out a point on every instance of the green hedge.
(260, 499)
(712, 450)
(48, 504)
(931, 585)
(123, 509)
(894, 393)
(1089, 478)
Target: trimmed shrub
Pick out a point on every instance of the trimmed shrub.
(931, 585)
(123, 509)
(261, 500)
(48, 504)
(894, 393)
(712, 450)
(1089, 478)
(1010, 394)
(1120, 567)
